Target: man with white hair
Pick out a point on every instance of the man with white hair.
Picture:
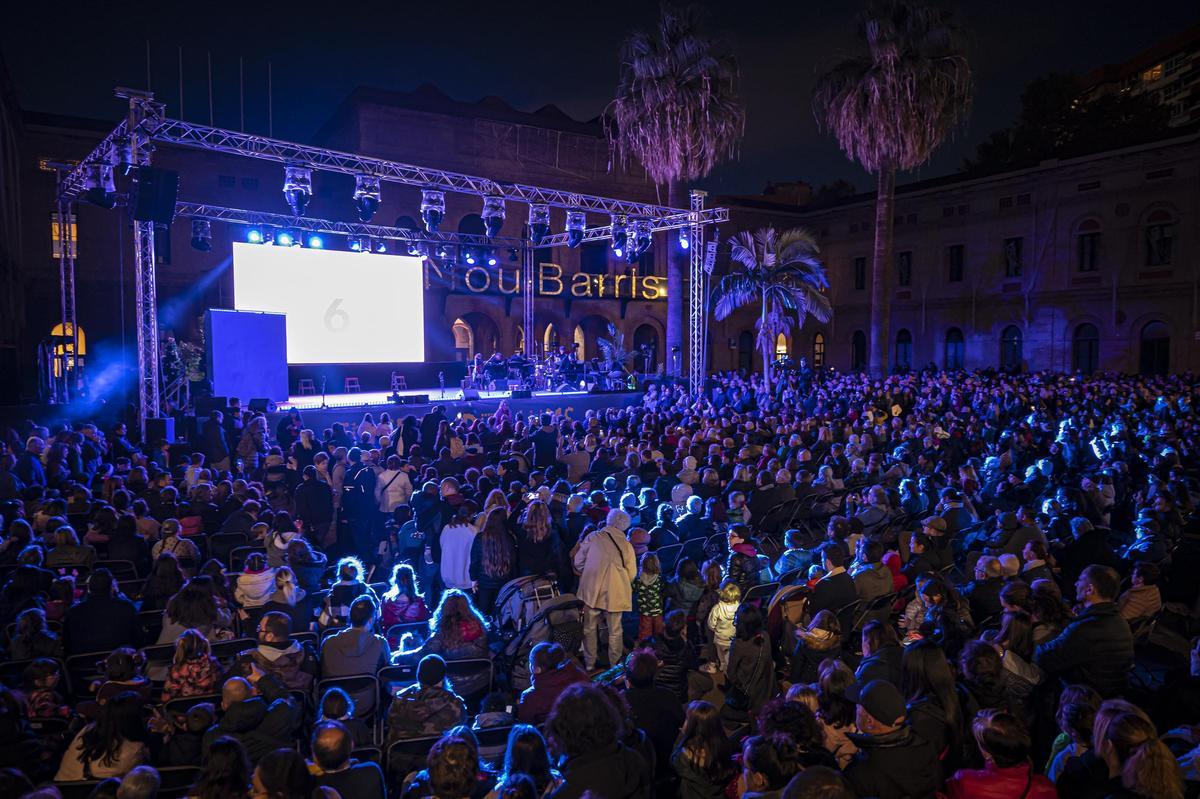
(142, 782)
(29, 463)
(606, 564)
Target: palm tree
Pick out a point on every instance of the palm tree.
(889, 109)
(783, 275)
(613, 348)
(677, 112)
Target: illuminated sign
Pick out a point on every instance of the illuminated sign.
(549, 280)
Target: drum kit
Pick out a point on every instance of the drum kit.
(552, 371)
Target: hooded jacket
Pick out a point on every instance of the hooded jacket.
(293, 665)
(895, 765)
(261, 723)
(614, 772)
(536, 700)
(422, 711)
(254, 589)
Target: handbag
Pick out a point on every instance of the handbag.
(735, 695)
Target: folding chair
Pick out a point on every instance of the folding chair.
(121, 569)
(239, 555)
(176, 781)
(363, 689)
(221, 544)
(405, 756)
(668, 556)
(760, 593)
(151, 622)
(471, 679)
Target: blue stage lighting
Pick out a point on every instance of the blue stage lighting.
(284, 238)
(356, 244)
(254, 236)
(491, 258)
(315, 242)
(684, 242)
(470, 258)
(619, 252)
(380, 246)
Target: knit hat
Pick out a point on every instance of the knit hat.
(880, 699)
(431, 670)
(640, 538)
(618, 519)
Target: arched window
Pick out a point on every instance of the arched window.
(1087, 245)
(818, 356)
(580, 342)
(550, 339)
(645, 344)
(520, 340)
(903, 351)
(1010, 349)
(1085, 348)
(464, 341)
(746, 351)
(955, 350)
(858, 351)
(1155, 349)
(781, 346)
(1160, 238)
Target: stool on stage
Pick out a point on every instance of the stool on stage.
(352, 386)
(398, 382)
(306, 386)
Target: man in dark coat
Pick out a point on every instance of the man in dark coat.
(892, 761)
(430, 423)
(358, 504)
(259, 712)
(216, 449)
(835, 591)
(1088, 547)
(1095, 649)
(332, 744)
(103, 621)
(656, 711)
(983, 593)
(314, 503)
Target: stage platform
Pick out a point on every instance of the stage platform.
(318, 413)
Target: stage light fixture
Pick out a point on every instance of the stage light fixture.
(469, 257)
(315, 242)
(513, 254)
(381, 246)
(443, 252)
(366, 196)
(684, 240)
(643, 237)
(491, 258)
(123, 150)
(358, 244)
(201, 235)
(576, 224)
(99, 187)
(414, 249)
(433, 208)
(254, 235)
(539, 222)
(493, 215)
(620, 234)
(287, 238)
(297, 188)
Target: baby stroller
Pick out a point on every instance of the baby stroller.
(559, 620)
(519, 601)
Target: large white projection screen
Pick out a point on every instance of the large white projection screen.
(342, 307)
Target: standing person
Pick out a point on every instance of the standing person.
(359, 504)
(493, 558)
(314, 505)
(606, 564)
(648, 590)
(455, 544)
(253, 443)
(392, 487)
(538, 546)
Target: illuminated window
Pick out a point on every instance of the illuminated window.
(781, 346)
(64, 343)
(579, 341)
(464, 340)
(73, 250)
(520, 340)
(818, 351)
(550, 339)
(1154, 73)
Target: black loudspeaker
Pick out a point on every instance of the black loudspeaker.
(206, 405)
(262, 405)
(159, 429)
(470, 394)
(414, 399)
(522, 393)
(155, 193)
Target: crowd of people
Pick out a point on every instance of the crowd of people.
(968, 585)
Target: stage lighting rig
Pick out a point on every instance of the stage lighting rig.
(381, 246)
(620, 235)
(366, 196)
(576, 224)
(642, 238)
(359, 243)
(539, 222)
(414, 249)
(469, 256)
(297, 188)
(315, 242)
(99, 187)
(201, 235)
(287, 238)
(493, 215)
(255, 235)
(684, 240)
(433, 209)
(513, 254)
(443, 252)
(491, 257)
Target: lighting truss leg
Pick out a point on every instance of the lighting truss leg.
(696, 309)
(72, 378)
(527, 297)
(146, 311)
(59, 391)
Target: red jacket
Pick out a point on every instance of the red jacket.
(999, 783)
(537, 699)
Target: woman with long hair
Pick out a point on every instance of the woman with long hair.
(527, 754)
(1014, 642)
(226, 772)
(195, 606)
(703, 756)
(820, 640)
(194, 670)
(457, 631)
(403, 602)
(538, 550)
(284, 774)
(494, 499)
(1050, 613)
(750, 673)
(1132, 750)
(109, 746)
(306, 563)
(164, 582)
(835, 712)
(934, 712)
(493, 558)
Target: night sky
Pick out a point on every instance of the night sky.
(532, 54)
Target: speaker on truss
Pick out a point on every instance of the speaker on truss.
(154, 195)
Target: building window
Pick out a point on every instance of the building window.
(464, 340)
(781, 346)
(955, 349)
(818, 358)
(1156, 349)
(903, 351)
(904, 268)
(72, 237)
(550, 339)
(1160, 238)
(858, 351)
(1010, 349)
(593, 258)
(954, 263)
(1012, 256)
(1085, 347)
(1088, 243)
(860, 273)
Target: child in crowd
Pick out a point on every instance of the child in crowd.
(336, 705)
(122, 672)
(256, 583)
(795, 556)
(1076, 713)
(494, 712)
(194, 671)
(32, 638)
(721, 624)
(738, 513)
(41, 678)
(648, 596)
(183, 738)
(685, 590)
(712, 574)
(349, 586)
(403, 603)
(62, 597)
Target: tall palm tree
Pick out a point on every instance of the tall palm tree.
(782, 274)
(677, 112)
(889, 109)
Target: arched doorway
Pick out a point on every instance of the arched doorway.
(589, 329)
(550, 339)
(746, 352)
(520, 345)
(1010, 349)
(903, 351)
(485, 336)
(955, 350)
(64, 345)
(858, 351)
(818, 352)
(579, 342)
(781, 346)
(1155, 349)
(1085, 348)
(645, 344)
(464, 340)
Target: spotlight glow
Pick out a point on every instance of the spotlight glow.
(254, 236)
(316, 242)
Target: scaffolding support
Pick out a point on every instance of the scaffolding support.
(66, 358)
(527, 317)
(696, 296)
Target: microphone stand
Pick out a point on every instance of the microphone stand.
(323, 405)
(442, 383)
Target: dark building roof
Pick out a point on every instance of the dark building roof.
(1111, 73)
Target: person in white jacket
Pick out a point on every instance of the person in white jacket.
(392, 487)
(606, 564)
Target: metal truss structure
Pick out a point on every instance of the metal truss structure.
(61, 384)
(133, 140)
